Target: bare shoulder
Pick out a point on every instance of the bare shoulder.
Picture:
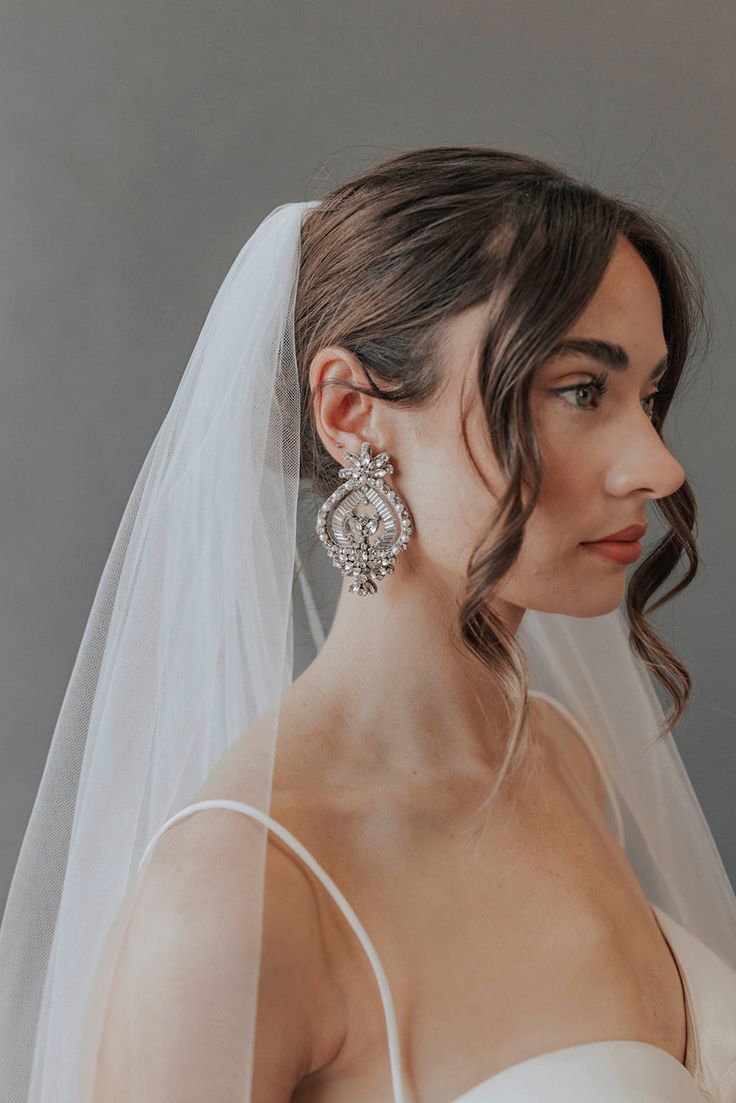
(173, 995)
(571, 748)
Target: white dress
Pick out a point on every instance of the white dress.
(617, 1071)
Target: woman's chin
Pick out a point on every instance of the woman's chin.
(593, 601)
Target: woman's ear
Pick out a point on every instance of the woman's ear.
(343, 417)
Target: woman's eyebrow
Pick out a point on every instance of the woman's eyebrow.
(613, 356)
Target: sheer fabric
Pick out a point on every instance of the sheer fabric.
(188, 648)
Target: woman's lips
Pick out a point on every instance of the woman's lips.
(619, 551)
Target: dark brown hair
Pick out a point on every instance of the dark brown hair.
(390, 256)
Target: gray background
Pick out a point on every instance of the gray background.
(141, 144)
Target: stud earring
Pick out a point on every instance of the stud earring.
(364, 524)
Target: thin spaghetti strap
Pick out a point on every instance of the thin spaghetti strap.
(587, 739)
(292, 841)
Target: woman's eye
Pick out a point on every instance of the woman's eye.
(582, 392)
(594, 386)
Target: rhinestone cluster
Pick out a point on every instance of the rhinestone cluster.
(352, 539)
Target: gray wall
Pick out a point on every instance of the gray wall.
(141, 143)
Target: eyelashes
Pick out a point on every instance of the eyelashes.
(599, 384)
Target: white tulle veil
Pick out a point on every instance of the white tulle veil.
(192, 637)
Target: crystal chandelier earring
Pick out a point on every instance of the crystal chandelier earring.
(364, 524)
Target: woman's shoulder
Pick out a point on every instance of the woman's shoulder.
(195, 938)
(296, 968)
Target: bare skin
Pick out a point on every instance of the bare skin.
(542, 937)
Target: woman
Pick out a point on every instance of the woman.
(488, 349)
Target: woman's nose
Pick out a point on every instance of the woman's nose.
(645, 463)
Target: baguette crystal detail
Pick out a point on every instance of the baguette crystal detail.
(364, 524)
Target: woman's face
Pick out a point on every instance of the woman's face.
(602, 459)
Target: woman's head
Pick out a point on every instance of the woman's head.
(434, 292)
